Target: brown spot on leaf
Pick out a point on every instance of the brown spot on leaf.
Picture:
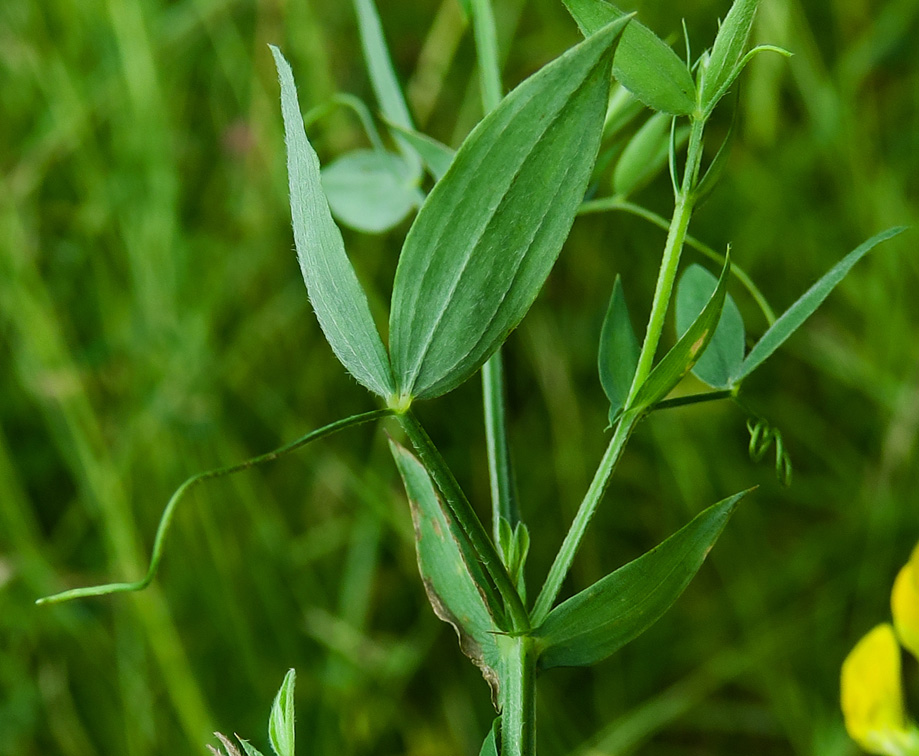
(694, 349)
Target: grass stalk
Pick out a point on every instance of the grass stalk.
(500, 470)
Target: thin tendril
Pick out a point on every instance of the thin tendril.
(169, 511)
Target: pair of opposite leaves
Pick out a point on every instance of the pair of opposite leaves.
(483, 242)
(701, 303)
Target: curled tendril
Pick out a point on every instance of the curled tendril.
(762, 436)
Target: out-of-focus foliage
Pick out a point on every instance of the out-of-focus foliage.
(153, 323)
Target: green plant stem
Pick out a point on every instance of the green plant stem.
(500, 471)
(586, 511)
(169, 512)
(486, 46)
(518, 696)
(676, 235)
(616, 203)
(468, 520)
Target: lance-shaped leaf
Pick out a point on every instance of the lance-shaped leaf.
(490, 746)
(724, 353)
(451, 574)
(371, 190)
(686, 352)
(249, 749)
(485, 240)
(801, 310)
(281, 722)
(724, 61)
(618, 353)
(598, 621)
(644, 64)
(335, 293)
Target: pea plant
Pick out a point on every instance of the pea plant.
(492, 218)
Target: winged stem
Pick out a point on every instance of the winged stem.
(500, 586)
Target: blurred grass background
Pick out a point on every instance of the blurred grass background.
(153, 324)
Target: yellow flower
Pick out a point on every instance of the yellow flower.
(904, 602)
(872, 692)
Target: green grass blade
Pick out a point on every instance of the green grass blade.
(448, 564)
(801, 310)
(724, 354)
(382, 74)
(491, 229)
(281, 730)
(598, 621)
(370, 190)
(643, 63)
(618, 353)
(688, 349)
(335, 293)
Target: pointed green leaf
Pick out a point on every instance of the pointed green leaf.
(450, 572)
(801, 310)
(483, 243)
(600, 620)
(619, 350)
(643, 63)
(724, 353)
(437, 156)
(334, 291)
(514, 546)
(727, 52)
(250, 749)
(688, 349)
(490, 746)
(382, 74)
(370, 190)
(281, 723)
